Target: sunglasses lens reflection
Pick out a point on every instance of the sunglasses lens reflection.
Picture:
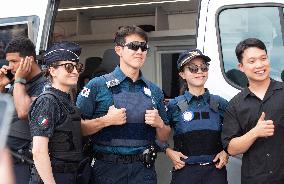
(204, 68)
(136, 45)
(69, 67)
(79, 67)
(195, 68)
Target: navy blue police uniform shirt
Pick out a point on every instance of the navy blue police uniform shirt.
(95, 99)
(175, 114)
(34, 88)
(46, 113)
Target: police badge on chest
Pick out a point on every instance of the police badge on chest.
(188, 116)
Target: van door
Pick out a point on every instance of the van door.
(221, 26)
(30, 18)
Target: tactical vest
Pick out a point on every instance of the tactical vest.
(66, 142)
(198, 133)
(135, 132)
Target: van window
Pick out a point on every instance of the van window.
(240, 23)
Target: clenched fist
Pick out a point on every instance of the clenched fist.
(116, 116)
(153, 118)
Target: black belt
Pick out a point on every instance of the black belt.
(124, 159)
(202, 164)
(64, 167)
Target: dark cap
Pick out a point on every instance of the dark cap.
(189, 55)
(62, 51)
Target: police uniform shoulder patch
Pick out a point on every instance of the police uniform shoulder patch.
(85, 92)
(147, 92)
(188, 115)
(42, 121)
(112, 83)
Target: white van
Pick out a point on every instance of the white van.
(223, 24)
(213, 26)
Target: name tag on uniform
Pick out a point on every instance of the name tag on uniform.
(188, 115)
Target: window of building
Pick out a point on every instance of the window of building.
(26, 26)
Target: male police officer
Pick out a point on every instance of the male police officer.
(129, 114)
(28, 84)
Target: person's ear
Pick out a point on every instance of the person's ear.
(182, 75)
(118, 50)
(240, 66)
(52, 72)
(32, 58)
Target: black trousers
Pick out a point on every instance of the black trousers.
(200, 174)
(60, 178)
(22, 173)
(65, 178)
(106, 172)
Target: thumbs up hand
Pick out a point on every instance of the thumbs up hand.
(264, 128)
(116, 116)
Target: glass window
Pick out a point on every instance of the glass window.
(11, 31)
(264, 23)
(26, 26)
(7, 33)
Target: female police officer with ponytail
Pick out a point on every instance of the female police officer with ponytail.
(54, 120)
(196, 117)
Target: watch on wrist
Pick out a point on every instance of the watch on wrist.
(163, 145)
(20, 80)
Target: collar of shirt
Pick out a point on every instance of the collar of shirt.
(35, 78)
(60, 93)
(121, 76)
(65, 99)
(204, 97)
(272, 86)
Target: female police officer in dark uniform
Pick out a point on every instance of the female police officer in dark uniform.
(54, 120)
(196, 118)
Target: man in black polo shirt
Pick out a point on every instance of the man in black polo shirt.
(26, 84)
(254, 119)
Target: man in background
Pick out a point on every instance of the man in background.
(27, 83)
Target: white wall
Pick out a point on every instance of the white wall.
(67, 30)
(178, 21)
(182, 21)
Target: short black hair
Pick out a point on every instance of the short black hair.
(125, 31)
(247, 43)
(22, 45)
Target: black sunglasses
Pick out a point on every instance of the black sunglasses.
(69, 67)
(135, 45)
(194, 68)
